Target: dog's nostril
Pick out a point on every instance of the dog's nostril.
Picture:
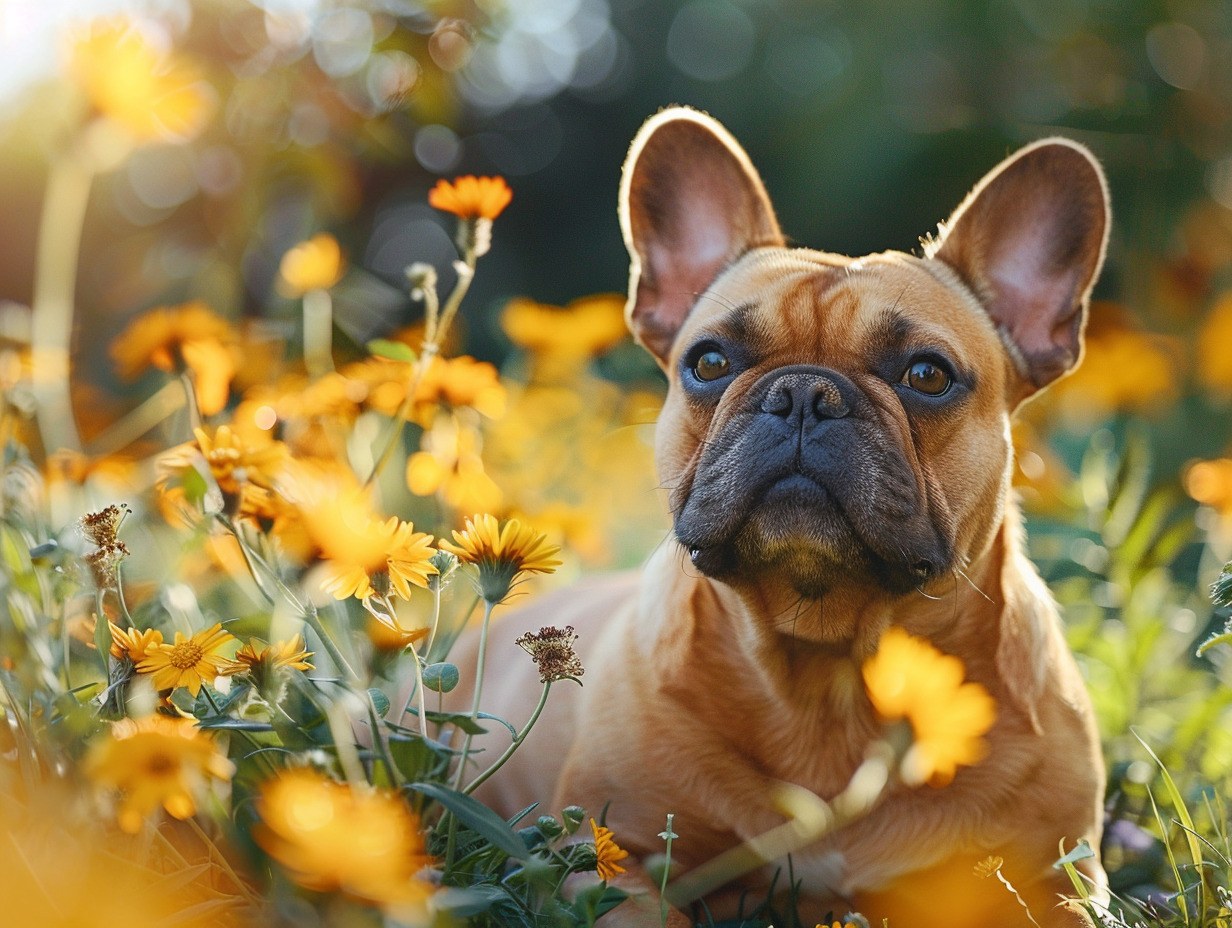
(777, 402)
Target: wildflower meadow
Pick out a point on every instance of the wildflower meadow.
(287, 408)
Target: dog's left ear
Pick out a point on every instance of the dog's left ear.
(1029, 241)
(690, 204)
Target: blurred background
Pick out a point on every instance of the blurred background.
(170, 152)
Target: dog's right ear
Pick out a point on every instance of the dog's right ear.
(690, 204)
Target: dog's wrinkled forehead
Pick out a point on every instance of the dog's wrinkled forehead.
(808, 307)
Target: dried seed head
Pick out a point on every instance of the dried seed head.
(552, 651)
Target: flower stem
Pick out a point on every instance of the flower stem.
(55, 278)
(306, 610)
(517, 742)
(419, 688)
(318, 333)
(435, 330)
(479, 662)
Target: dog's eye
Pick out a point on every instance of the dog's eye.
(711, 366)
(927, 378)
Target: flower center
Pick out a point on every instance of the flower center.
(186, 655)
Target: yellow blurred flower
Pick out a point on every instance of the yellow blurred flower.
(501, 552)
(363, 555)
(129, 81)
(571, 334)
(316, 264)
(175, 338)
(454, 382)
(1123, 368)
(387, 634)
(607, 852)
(280, 654)
(471, 197)
(910, 679)
(1210, 483)
(155, 761)
(450, 464)
(133, 643)
(188, 661)
(1215, 347)
(234, 462)
(332, 837)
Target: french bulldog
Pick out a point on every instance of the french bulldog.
(836, 445)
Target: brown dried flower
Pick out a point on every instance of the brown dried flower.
(552, 651)
(101, 527)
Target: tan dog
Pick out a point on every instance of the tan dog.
(836, 442)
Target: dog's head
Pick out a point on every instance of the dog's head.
(833, 420)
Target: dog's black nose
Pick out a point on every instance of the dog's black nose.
(797, 391)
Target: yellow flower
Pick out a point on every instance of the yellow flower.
(988, 866)
(132, 84)
(455, 382)
(234, 462)
(274, 656)
(586, 327)
(386, 634)
(607, 852)
(1215, 347)
(909, 678)
(189, 661)
(1123, 368)
(155, 761)
(471, 197)
(1210, 483)
(316, 264)
(450, 464)
(501, 552)
(363, 555)
(134, 643)
(334, 837)
(175, 338)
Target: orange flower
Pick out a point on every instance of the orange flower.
(136, 87)
(156, 761)
(607, 852)
(331, 836)
(910, 679)
(586, 327)
(316, 264)
(471, 197)
(134, 643)
(190, 661)
(1215, 347)
(175, 338)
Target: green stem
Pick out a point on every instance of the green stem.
(419, 688)
(55, 279)
(436, 616)
(479, 662)
(306, 610)
(318, 333)
(190, 400)
(456, 631)
(435, 332)
(517, 742)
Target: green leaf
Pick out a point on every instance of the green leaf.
(230, 724)
(194, 485)
(1081, 852)
(102, 642)
(380, 702)
(418, 758)
(473, 900)
(1224, 637)
(1185, 819)
(595, 901)
(441, 677)
(394, 351)
(476, 816)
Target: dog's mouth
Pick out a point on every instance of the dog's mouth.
(814, 507)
